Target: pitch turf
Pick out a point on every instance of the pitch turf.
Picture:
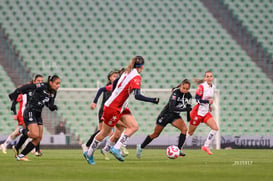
(66, 165)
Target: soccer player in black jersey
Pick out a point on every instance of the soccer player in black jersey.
(21, 99)
(43, 94)
(179, 101)
(26, 97)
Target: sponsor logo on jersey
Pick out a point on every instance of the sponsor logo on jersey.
(160, 120)
(45, 92)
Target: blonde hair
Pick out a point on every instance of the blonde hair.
(135, 62)
(200, 81)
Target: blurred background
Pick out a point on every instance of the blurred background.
(83, 40)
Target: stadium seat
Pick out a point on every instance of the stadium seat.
(88, 38)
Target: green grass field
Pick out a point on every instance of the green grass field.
(64, 165)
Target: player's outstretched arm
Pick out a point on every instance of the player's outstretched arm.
(140, 97)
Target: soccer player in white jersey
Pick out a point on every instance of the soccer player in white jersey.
(116, 109)
(201, 111)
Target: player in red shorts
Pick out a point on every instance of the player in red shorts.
(19, 118)
(201, 112)
(115, 108)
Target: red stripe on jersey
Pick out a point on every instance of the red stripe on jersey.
(200, 90)
(125, 87)
(20, 101)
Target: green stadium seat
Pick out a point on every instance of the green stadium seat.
(86, 42)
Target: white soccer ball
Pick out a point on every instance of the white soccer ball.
(172, 152)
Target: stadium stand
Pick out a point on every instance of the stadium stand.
(257, 17)
(7, 122)
(83, 40)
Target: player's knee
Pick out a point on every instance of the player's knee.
(190, 133)
(14, 135)
(154, 135)
(215, 128)
(184, 130)
(116, 137)
(34, 135)
(135, 128)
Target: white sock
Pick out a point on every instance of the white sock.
(187, 137)
(8, 141)
(123, 139)
(210, 137)
(21, 155)
(108, 146)
(94, 145)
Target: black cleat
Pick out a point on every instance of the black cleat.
(182, 154)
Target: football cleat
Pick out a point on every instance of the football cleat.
(89, 159)
(116, 153)
(105, 154)
(181, 154)
(206, 149)
(124, 151)
(4, 149)
(16, 152)
(138, 151)
(22, 158)
(38, 153)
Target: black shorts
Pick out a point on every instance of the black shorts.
(164, 119)
(31, 117)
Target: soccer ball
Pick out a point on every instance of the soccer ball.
(172, 152)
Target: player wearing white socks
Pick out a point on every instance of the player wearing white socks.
(116, 109)
(17, 116)
(201, 112)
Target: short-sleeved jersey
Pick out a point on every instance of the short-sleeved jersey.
(125, 86)
(206, 92)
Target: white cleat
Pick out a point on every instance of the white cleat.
(124, 151)
(4, 149)
(138, 151)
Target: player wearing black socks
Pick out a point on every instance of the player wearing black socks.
(179, 101)
(43, 94)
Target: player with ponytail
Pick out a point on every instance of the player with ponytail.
(201, 111)
(43, 95)
(116, 109)
(179, 101)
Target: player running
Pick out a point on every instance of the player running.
(26, 97)
(43, 94)
(116, 108)
(201, 111)
(107, 91)
(19, 117)
(22, 100)
(179, 101)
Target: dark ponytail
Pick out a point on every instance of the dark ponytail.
(35, 77)
(185, 81)
(52, 78)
